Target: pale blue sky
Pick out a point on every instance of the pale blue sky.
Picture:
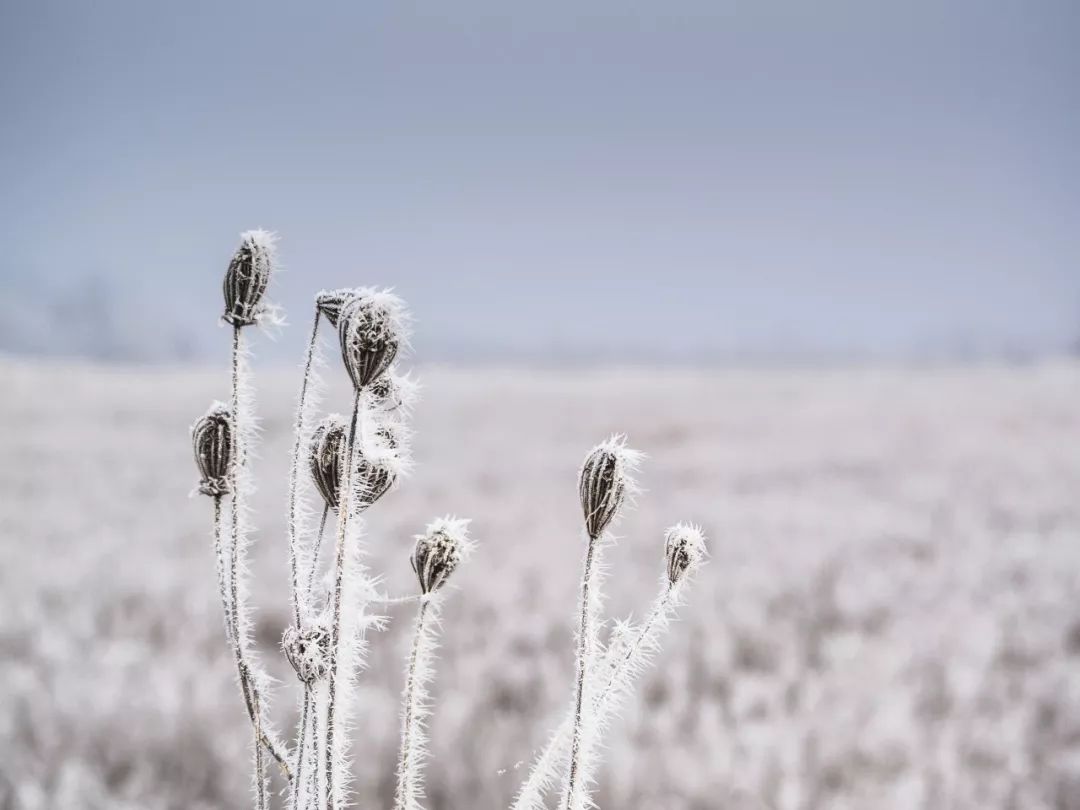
(629, 180)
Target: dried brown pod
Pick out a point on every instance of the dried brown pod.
(684, 549)
(248, 276)
(211, 438)
(371, 331)
(439, 550)
(605, 481)
(326, 456)
(331, 302)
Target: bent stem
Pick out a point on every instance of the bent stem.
(345, 511)
(410, 762)
(315, 552)
(294, 470)
(584, 662)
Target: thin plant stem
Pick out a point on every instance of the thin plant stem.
(247, 683)
(220, 559)
(315, 551)
(294, 470)
(339, 576)
(410, 722)
(658, 609)
(584, 657)
(300, 745)
(260, 765)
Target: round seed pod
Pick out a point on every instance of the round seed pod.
(247, 277)
(439, 550)
(211, 438)
(604, 483)
(308, 651)
(684, 549)
(326, 458)
(370, 332)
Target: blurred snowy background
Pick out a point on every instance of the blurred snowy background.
(818, 260)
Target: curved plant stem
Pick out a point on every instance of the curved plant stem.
(584, 657)
(294, 470)
(345, 511)
(300, 746)
(247, 684)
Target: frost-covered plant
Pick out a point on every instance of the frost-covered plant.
(339, 468)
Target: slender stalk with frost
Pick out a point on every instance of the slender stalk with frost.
(246, 280)
(629, 652)
(604, 484)
(439, 550)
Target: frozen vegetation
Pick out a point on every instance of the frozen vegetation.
(890, 617)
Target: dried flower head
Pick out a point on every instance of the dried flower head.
(393, 391)
(605, 482)
(684, 547)
(248, 276)
(371, 329)
(308, 651)
(211, 437)
(331, 302)
(326, 456)
(439, 550)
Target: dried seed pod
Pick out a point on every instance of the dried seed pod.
(370, 330)
(211, 437)
(375, 474)
(684, 548)
(605, 481)
(439, 550)
(308, 651)
(248, 276)
(326, 457)
(330, 302)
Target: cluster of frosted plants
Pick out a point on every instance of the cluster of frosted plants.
(345, 465)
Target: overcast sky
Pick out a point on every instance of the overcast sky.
(636, 180)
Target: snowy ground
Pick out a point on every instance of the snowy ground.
(891, 618)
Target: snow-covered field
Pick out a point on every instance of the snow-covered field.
(891, 617)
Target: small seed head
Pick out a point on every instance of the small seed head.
(211, 437)
(684, 548)
(370, 330)
(439, 550)
(376, 471)
(326, 458)
(330, 302)
(308, 651)
(605, 483)
(248, 276)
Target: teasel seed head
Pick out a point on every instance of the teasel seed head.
(371, 330)
(684, 547)
(211, 437)
(606, 481)
(308, 651)
(439, 550)
(331, 302)
(326, 457)
(248, 276)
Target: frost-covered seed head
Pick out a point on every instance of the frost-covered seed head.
(248, 276)
(684, 548)
(211, 437)
(308, 651)
(330, 302)
(375, 474)
(371, 329)
(326, 457)
(605, 482)
(439, 550)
